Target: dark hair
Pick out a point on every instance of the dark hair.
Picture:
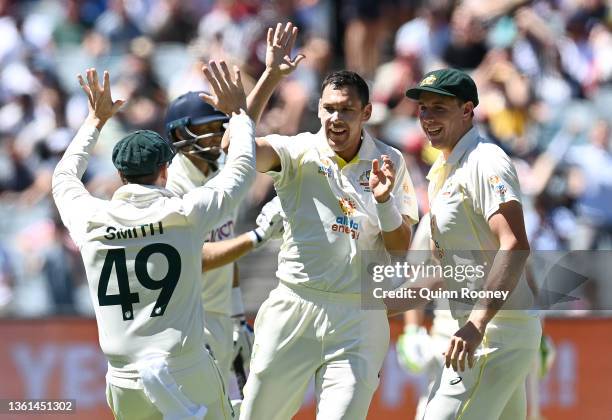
(348, 78)
(148, 179)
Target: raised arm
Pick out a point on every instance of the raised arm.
(395, 227)
(223, 193)
(280, 42)
(68, 191)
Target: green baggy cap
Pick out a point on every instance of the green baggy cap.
(448, 82)
(141, 153)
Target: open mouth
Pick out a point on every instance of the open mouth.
(338, 131)
(433, 131)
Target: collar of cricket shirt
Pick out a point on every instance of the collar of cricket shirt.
(139, 192)
(367, 151)
(468, 140)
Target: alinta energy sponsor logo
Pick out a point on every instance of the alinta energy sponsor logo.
(325, 168)
(344, 223)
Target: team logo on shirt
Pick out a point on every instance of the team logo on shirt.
(498, 185)
(325, 168)
(448, 190)
(347, 206)
(364, 180)
(344, 223)
(406, 187)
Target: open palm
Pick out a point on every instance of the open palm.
(280, 42)
(99, 98)
(382, 179)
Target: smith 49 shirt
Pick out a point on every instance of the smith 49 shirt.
(142, 250)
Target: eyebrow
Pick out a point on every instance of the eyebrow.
(345, 105)
(434, 103)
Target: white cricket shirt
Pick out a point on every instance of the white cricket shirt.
(142, 250)
(331, 213)
(184, 176)
(464, 192)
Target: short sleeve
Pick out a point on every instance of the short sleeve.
(494, 181)
(404, 193)
(289, 150)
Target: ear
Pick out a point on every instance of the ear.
(366, 113)
(319, 109)
(468, 109)
(123, 180)
(162, 178)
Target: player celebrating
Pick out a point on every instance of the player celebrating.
(196, 129)
(142, 254)
(475, 205)
(339, 200)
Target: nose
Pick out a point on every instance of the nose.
(426, 115)
(334, 117)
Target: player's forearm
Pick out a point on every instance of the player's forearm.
(73, 164)
(218, 254)
(75, 159)
(398, 240)
(505, 273)
(260, 95)
(257, 99)
(414, 317)
(236, 177)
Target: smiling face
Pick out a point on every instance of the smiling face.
(342, 115)
(444, 119)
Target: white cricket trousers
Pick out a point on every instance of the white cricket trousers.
(184, 385)
(302, 333)
(218, 334)
(495, 387)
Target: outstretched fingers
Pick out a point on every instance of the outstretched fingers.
(238, 78)
(85, 88)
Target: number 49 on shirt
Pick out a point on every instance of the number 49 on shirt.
(126, 298)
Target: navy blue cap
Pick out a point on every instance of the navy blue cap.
(189, 109)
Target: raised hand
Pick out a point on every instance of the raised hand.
(100, 102)
(228, 93)
(280, 42)
(382, 179)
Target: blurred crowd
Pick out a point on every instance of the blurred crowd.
(543, 70)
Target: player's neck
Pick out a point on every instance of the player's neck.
(350, 153)
(446, 152)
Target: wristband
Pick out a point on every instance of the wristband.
(255, 237)
(389, 217)
(237, 305)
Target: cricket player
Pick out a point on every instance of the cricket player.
(339, 200)
(142, 254)
(196, 129)
(475, 206)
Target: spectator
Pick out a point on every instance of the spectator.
(117, 25)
